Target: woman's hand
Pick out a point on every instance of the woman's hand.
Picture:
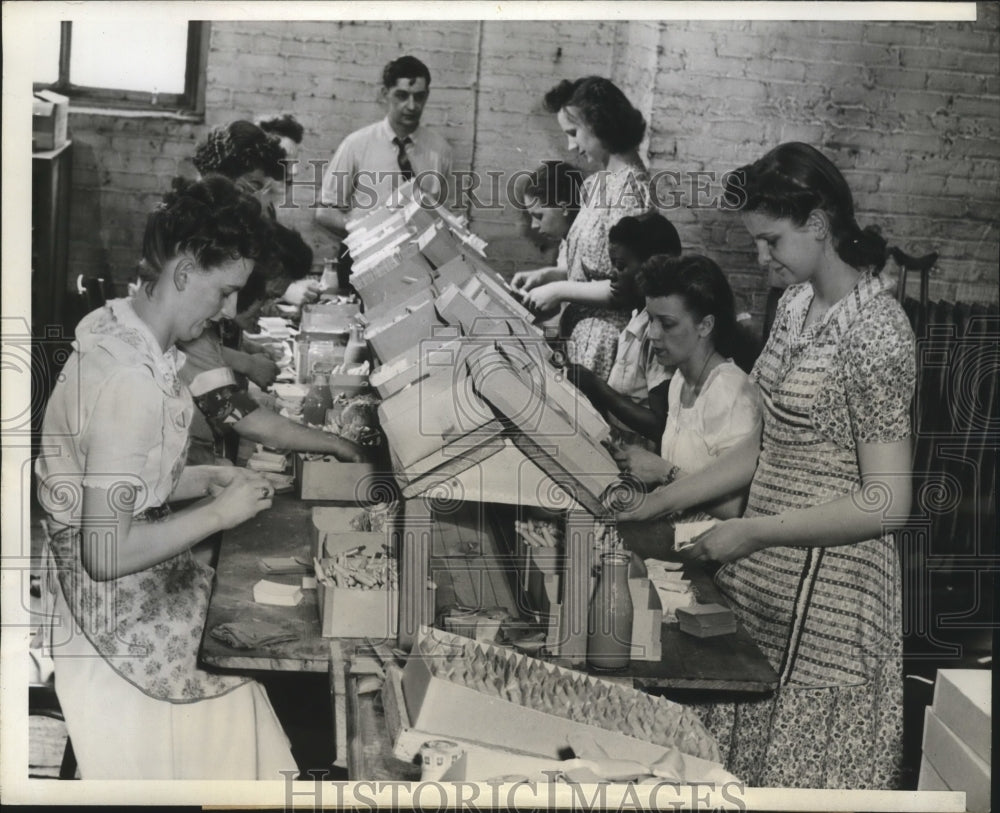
(545, 297)
(725, 542)
(644, 465)
(261, 370)
(303, 291)
(241, 498)
(526, 280)
(646, 507)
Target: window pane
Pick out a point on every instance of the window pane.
(46, 56)
(129, 55)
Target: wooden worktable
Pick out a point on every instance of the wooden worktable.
(729, 663)
(281, 531)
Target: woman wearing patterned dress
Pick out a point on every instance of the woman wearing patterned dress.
(125, 596)
(603, 126)
(810, 569)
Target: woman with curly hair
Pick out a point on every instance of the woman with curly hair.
(126, 598)
(255, 160)
(604, 127)
(811, 569)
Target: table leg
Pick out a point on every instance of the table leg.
(339, 659)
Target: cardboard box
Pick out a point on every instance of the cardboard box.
(962, 701)
(351, 612)
(647, 614)
(401, 332)
(355, 613)
(929, 779)
(956, 763)
(328, 520)
(49, 115)
(344, 384)
(328, 479)
(450, 710)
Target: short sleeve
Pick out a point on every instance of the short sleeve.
(123, 429)
(220, 399)
(338, 180)
(879, 375)
(733, 412)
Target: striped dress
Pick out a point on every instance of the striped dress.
(828, 619)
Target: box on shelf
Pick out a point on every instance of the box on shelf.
(962, 701)
(398, 333)
(959, 767)
(49, 114)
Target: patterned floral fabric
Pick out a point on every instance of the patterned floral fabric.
(828, 619)
(606, 197)
(133, 435)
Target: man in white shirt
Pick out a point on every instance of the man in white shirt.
(372, 162)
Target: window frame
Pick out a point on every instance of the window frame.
(190, 102)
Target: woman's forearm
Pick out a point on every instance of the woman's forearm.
(727, 476)
(237, 359)
(193, 483)
(840, 522)
(267, 427)
(884, 499)
(597, 292)
(636, 417)
(112, 550)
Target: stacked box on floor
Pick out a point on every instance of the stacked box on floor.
(957, 736)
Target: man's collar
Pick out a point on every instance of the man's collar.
(389, 134)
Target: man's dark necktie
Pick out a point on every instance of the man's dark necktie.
(405, 167)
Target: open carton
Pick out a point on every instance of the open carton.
(351, 612)
(448, 709)
(327, 478)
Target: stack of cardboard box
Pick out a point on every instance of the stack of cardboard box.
(958, 736)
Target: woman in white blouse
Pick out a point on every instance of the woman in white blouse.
(712, 403)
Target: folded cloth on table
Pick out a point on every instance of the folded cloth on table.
(251, 634)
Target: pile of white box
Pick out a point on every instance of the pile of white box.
(957, 737)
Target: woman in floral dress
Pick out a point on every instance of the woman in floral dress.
(125, 596)
(603, 126)
(810, 569)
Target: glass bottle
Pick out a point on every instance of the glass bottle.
(609, 621)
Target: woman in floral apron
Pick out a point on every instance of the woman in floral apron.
(126, 599)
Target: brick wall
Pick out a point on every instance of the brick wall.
(908, 110)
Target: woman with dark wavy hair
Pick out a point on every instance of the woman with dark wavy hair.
(125, 598)
(604, 127)
(712, 406)
(811, 569)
